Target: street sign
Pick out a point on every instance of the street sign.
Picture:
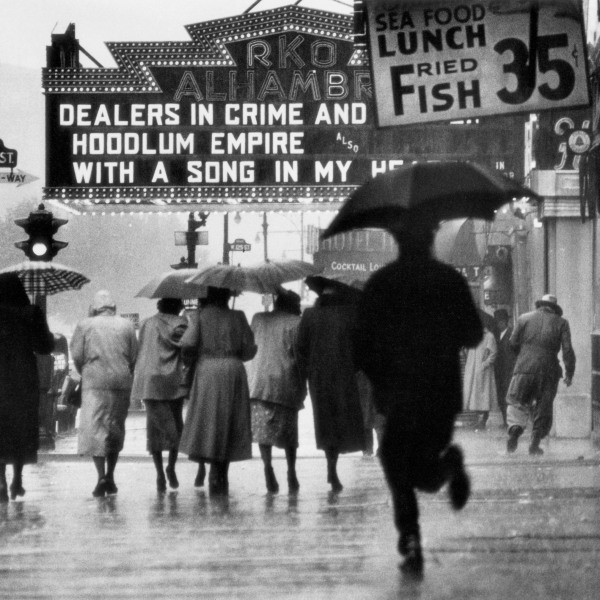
(8, 156)
(17, 176)
(434, 60)
(201, 238)
(239, 245)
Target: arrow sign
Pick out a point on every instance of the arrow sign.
(17, 176)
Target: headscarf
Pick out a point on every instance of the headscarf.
(103, 304)
(12, 292)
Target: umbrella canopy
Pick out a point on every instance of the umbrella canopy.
(265, 278)
(173, 284)
(47, 278)
(438, 190)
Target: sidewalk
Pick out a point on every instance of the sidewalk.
(480, 447)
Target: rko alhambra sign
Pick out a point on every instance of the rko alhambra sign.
(273, 107)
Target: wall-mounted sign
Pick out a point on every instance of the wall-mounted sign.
(561, 138)
(267, 108)
(435, 60)
(8, 156)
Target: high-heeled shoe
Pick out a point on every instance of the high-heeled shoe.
(16, 489)
(3, 491)
(271, 480)
(336, 484)
(200, 476)
(293, 485)
(110, 487)
(172, 477)
(161, 484)
(100, 489)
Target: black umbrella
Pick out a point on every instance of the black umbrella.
(436, 191)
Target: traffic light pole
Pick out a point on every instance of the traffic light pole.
(41, 226)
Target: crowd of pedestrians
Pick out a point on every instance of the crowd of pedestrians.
(386, 357)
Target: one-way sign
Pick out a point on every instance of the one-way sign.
(16, 176)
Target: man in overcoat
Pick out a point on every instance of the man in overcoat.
(414, 317)
(538, 337)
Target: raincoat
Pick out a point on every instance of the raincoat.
(326, 358)
(273, 374)
(479, 382)
(104, 350)
(217, 425)
(23, 331)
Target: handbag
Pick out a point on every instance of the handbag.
(71, 392)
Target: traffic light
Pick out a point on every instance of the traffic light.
(41, 226)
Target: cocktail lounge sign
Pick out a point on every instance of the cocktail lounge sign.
(274, 107)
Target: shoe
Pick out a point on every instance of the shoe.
(412, 566)
(172, 477)
(513, 438)
(110, 486)
(336, 484)
(161, 484)
(200, 476)
(293, 484)
(3, 491)
(271, 480)
(100, 488)
(535, 450)
(459, 486)
(16, 489)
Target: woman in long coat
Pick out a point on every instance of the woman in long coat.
(160, 381)
(104, 349)
(277, 389)
(326, 359)
(217, 426)
(479, 383)
(23, 331)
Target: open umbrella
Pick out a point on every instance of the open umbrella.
(47, 278)
(173, 284)
(265, 278)
(437, 190)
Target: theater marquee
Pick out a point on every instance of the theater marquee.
(267, 108)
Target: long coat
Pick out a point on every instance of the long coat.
(479, 382)
(538, 337)
(23, 331)
(273, 374)
(217, 425)
(414, 316)
(104, 350)
(326, 359)
(159, 370)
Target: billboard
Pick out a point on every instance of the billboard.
(271, 108)
(436, 60)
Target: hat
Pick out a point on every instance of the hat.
(102, 302)
(549, 301)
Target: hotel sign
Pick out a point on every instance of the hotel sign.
(436, 60)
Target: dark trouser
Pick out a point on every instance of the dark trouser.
(411, 457)
(523, 390)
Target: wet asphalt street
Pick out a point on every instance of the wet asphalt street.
(530, 531)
